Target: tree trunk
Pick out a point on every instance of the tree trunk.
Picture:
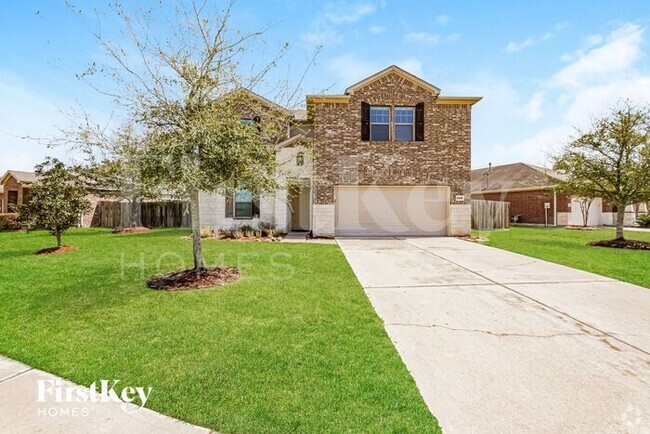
(58, 239)
(197, 247)
(620, 219)
(136, 212)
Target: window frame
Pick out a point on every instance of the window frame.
(412, 123)
(390, 121)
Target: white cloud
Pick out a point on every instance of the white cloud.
(321, 36)
(612, 59)
(425, 37)
(430, 38)
(589, 42)
(326, 28)
(515, 46)
(533, 109)
(343, 12)
(377, 30)
(350, 69)
(600, 77)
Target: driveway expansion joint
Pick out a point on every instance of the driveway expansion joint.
(497, 334)
(17, 374)
(505, 286)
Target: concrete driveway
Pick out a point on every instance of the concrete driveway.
(500, 342)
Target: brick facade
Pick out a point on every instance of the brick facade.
(12, 188)
(529, 205)
(341, 157)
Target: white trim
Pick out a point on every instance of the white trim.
(396, 69)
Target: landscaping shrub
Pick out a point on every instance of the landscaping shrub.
(246, 228)
(9, 222)
(226, 233)
(206, 232)
(643, 220)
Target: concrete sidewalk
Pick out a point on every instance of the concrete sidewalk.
(500, 342)
(20, 412)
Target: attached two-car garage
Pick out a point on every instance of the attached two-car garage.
(383, 210)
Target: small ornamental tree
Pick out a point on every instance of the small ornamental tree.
(585, 204)
(611, 160)
(57, 200)
(182, 75)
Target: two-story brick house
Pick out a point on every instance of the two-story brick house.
(390, 156)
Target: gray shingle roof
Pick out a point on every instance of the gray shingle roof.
(512, 176)
(22, 177)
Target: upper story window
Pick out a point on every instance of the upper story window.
(379, 123)
(251, 121)
(399, 124)
(404, 124)
(300, 159)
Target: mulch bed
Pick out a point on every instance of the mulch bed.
(580, 228)
(473, 239)
(135, 230)
(243, 239)
(622, 244)
(56, 250)
(189, 279)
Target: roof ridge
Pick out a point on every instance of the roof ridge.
(545, 170)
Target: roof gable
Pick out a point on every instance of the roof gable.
(393, 69)
(19, 176)
(264, 101)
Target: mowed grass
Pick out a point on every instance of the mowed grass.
(294, 346)
(569, 247)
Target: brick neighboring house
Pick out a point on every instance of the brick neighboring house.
(528, 188)
(390, 156)
(15, 186)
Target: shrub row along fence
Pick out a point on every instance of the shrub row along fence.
(490, 214)
(160, 214)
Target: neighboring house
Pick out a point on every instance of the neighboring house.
(529, 188)
(390, 156)
(15, 186)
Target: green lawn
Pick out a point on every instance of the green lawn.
(569, 247)
(294, 346)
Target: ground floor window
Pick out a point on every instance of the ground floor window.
(243, 204)
(12, 200)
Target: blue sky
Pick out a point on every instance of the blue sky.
(543, 68)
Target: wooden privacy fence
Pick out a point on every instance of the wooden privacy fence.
(490, 214)
(160, 214)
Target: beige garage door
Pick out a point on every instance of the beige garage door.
(391, 210)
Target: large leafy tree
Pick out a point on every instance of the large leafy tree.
(611, 160)
(178, 74)
(57, 200)
(116, 170)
